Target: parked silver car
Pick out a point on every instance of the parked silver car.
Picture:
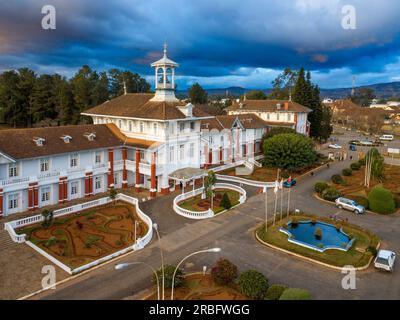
(348, 204)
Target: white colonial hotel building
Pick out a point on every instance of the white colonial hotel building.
(135, 140)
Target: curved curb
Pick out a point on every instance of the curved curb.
(309, 259)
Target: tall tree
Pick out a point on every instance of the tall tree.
(197, 94)
(42, 99)
(256, 95)
(82, 87)
(282, 86)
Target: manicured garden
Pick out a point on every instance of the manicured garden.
(223, 199)
(225, 283)
(381, 196)
(358, 255)
(78, 239)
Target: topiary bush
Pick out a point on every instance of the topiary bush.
(355, 166)
(225, 272)
(295, 294)
(318, 233)
(320, 186)
(381, 200)
(225, 201)
(362, 201)
(331, 194)
(253, 284)
(347, 172)
(362, 162)
(275, 291)
(169, 272)
(337, 179)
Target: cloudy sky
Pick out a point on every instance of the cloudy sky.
(218, 43)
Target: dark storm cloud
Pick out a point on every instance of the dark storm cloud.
(218, 40)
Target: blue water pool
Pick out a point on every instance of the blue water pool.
(332, 238)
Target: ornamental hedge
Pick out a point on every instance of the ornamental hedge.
(337, 179)
(331, 194)
(253, 284)
(355, 166)
(347, 172)
(225, 272)
(381, 200)
(275, 291)
(320, 186)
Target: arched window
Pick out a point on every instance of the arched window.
(160, 75)
(168, 76)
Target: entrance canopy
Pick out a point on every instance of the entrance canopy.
(187, 174)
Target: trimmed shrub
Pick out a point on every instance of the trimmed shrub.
(362, 201)
(253, 284)
(225, 201)
(224, 272)
(337, 179)
(362, 162)
(320, 186)
(355, 166)
(347, 172)
(330, 194)
(318, 233)
(275, 291)
(381, 200)
(295, 294)
(169, 272)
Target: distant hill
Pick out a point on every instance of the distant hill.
(382, 90)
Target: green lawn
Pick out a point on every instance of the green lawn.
(358, 255)
(198, 204)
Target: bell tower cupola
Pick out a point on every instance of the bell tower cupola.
(164, 78)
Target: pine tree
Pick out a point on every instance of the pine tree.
(197, 94)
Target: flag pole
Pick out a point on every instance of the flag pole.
(282, 193)
(276, 199)
(288, 203)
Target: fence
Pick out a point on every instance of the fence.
(140, 242)
(207, 213)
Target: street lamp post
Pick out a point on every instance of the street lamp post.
(155, 226)
(215, 250)
(122, 266)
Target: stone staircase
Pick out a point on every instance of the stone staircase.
(6, 241)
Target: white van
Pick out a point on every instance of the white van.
(386, 137)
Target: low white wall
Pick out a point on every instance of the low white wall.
(207, 213)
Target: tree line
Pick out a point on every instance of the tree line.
(28, 99)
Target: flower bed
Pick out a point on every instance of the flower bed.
(197, 204)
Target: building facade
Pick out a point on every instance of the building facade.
(136, 140)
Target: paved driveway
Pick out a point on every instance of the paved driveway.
(233, 232)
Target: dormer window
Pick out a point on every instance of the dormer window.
(66, 138)
(39, 141)
(90, 136)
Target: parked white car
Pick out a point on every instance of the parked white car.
(385, 260)
(348, 204)
(335, 146)
(386, 137)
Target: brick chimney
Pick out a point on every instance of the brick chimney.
(286, 105)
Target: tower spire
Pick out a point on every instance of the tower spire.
(165, 48)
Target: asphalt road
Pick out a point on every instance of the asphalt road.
(233, 232)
